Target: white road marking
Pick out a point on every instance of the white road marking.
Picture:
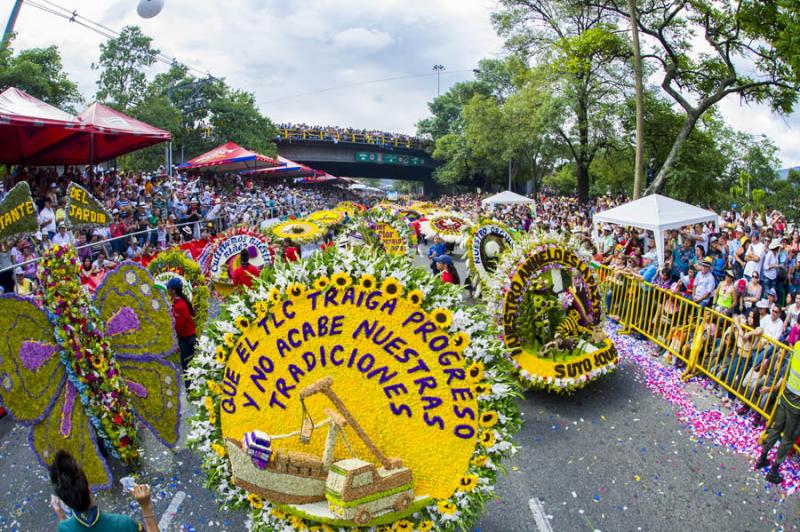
(537, 509)
(172, 510)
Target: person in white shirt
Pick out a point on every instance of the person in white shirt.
(63, 237)
(772, 265)
(47, 218)
(704, 284)
(754, 255)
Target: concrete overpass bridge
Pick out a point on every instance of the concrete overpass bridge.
(359, 154)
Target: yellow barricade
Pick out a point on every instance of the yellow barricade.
(749, 366)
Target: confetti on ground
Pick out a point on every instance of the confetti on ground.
(727, 429)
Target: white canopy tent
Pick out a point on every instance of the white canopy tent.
(506, 198)
(658, 214)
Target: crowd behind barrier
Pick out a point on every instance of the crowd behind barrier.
(290, 132)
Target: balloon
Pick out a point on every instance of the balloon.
(149, 8)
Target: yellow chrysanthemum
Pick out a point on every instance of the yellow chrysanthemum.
(296, 290)
(441, 317)
(488, 419)
(425, 526)
(242, 323)
(368, 282)
(403, 525)
(214, 387)
(461, 340)
(475, 372)
(262, 307)
(230, 340)
(415, 297)
(446, 508)
(480, 461)
(322, 283)
(221, 355)
(481, 389)
(208, 402)
(274, 295)
(277, 513)
(219, 449)
(487, 438)
(341, 280)
(255, 501)
(468, 483)
(392, 287)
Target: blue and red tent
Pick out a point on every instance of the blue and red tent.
(229, 157)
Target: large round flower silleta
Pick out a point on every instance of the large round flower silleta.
(329, 218)
(301, 409)
(300, 231)
(449, 227)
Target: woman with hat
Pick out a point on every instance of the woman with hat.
(183, 314)
(444, 264)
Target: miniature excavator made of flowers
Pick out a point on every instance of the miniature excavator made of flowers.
(356, 490)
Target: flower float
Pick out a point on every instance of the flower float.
(219, 255)
(545, 299)
(342, 364)
(331, 218)
(299, 231)
(351, 208)
(448, 226)
(81, 371)
(487, 241)
(175, 263)
(380, 231)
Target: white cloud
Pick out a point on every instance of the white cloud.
(362, 39)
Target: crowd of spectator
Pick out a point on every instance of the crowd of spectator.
(348, 134)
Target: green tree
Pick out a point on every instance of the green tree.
(123, 61)
(40, 73)
(235, 117)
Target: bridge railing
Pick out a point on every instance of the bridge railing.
(750, 367)
(385, 141)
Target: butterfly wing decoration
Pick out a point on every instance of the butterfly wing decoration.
(35, 388)
(140, 331)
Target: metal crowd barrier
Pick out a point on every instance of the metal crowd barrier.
(705, 341)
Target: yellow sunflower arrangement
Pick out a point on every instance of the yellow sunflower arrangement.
(296, 290)
(255, 501)
(392, 287)
(322, 283)
(341, 280)
(351, 208)
(468, 483)
(330, 218)
(300, 231)
(488, 419)
(415, 297)
(368, 282)
(442, 318)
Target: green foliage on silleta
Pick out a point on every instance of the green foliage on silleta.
(17, 212)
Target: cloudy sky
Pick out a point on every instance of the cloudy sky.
(283, 49)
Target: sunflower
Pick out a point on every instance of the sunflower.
(481, 389)
(403, 525)
(446, 508)
(219, 449)
(368, 282)
(480, 461)
(262, 307)
(425, 526)
(255, 501)
(274, 295)
(475, 371)
(220, 355)
(468, 483)
(415, 297)
(242, 323)
(461, 340)
(487, 438)
(296, 290)
(341, 280)
(302, 231)
(392, 287)
(214, 387)
(208, 402)
(277, 513)
(322, 283)
(297, 523)
(442, 317)
(488, 419)
(230, 340)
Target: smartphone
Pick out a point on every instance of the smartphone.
(127, 483)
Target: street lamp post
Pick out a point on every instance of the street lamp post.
(438, 69)
(12, 20)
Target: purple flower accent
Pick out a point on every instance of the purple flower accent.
(137, 389)
(125, 320)
(66, 412)
(35, 354)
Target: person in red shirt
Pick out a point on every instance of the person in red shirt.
(245, 273)
(447, 269)
(290, 252)
(183, 315)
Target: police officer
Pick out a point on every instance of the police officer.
(786, 423)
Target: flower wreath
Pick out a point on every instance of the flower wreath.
(514, 277)
(330, 218)
(176, 261)
(485, 364)
(300, 231)
(448, 226)
(365, 230)
(477, 235)
(217, 245)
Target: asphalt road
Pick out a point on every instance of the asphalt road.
(612, 457)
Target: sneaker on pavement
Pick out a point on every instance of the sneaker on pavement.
(774, 477)
(763, 462)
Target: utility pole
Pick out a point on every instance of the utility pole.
(438, 69)
(12, 21)
(637, 68)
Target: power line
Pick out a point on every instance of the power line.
(349, 85)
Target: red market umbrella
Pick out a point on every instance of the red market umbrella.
(229, 157)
